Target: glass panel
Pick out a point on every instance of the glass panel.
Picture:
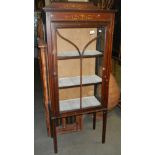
(80, 53)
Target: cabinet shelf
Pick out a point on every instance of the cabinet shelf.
(75, 81)
(75, 54)
(73, 104)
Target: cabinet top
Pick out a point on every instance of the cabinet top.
(74, 6)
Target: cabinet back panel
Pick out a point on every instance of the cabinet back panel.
(71, 67)
(79, 36)
(71, 93)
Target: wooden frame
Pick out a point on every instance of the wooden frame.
(67, 15)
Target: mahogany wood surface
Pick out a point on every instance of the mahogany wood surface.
(75, 15)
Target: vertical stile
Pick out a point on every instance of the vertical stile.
(80, 81)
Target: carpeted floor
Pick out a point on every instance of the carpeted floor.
(86, 142)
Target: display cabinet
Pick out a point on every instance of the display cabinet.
(77, 61)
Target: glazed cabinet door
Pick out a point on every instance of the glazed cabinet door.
(79, 56)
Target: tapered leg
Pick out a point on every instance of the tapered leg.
(54, 135)
(104, 126)
(50, 121)
(51, 128)
(94, 120)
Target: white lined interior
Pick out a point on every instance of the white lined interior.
(75, 53)
(71, 81)
(72, 104)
